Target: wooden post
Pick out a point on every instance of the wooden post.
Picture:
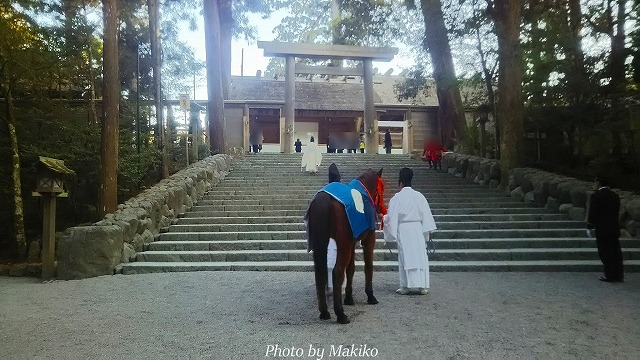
(289, 105)
(186, 140)
(48, 235)
(370, 121)
(195, 137)
(245, 128)
(50, 185)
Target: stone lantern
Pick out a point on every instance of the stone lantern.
(50, 185)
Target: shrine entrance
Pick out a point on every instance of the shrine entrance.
(367, 123)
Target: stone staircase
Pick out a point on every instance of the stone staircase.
(253, 221)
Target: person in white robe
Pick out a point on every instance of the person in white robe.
(409, 222)
(311, 157)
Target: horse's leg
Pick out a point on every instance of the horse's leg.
(351, 268)
(368, 244)
(321, 283)
(345, 249)
(319, 236)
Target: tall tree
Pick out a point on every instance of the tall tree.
(617, 70)
(110, 110)
(156, 55)
(436, 42)
(215, 87)
(507, 17)
(226, 33)
(16, 48)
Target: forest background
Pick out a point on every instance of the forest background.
(80, 80)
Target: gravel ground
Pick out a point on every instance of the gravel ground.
(238, 315)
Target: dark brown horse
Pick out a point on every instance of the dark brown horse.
(328, 219)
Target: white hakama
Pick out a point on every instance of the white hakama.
(311, 158)
(408, 222)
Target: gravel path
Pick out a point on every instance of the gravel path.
(237, 315)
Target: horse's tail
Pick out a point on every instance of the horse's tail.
(319, 236)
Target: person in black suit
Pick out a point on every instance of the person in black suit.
(603, 218)
(387, 142)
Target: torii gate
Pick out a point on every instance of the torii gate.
(320, 51)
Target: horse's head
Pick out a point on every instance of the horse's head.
(372, 181)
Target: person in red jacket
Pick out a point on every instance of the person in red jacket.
(426, 155)
(435, 150)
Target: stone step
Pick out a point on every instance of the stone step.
(199, 212)
(234, 189)
(257, 209)
(517, 254)
(309, 194)
(253, 221)
(322, 175)
(225, 192)
(389, 174)
(454, 226)
(305, 201)
(298, 219)
(418, 178)
(439, 234)
(434, 266)
(494, 243)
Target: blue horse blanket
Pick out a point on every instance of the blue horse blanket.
(357, 203)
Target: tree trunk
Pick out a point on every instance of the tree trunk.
(507, 18)
(491, 94)
(578, 80)
(436, 41)
(91, 76)
(618, 54)
(226, 33)
(215, 103)
(618, 74)
(111, 107)
(18, 212)
(575, 52)
(156, 56)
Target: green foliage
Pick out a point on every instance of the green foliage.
(415, 83)
(134, 169)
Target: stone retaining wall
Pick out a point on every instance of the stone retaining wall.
(88, 251)
(556, 193)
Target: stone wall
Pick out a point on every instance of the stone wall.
(556, 193)
(87, 251)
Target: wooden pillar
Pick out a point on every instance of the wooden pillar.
(282, 128)
(370, 118)
(195, 137)
(407, 133)
(245, 128)
(48, 235)
(286, 141)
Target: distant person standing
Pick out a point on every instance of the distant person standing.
(254, 137)
(361, 146)
(311, 157)
(434, 152)
(409, 222)
(298, 146)
(387, 141)
(604, 209)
